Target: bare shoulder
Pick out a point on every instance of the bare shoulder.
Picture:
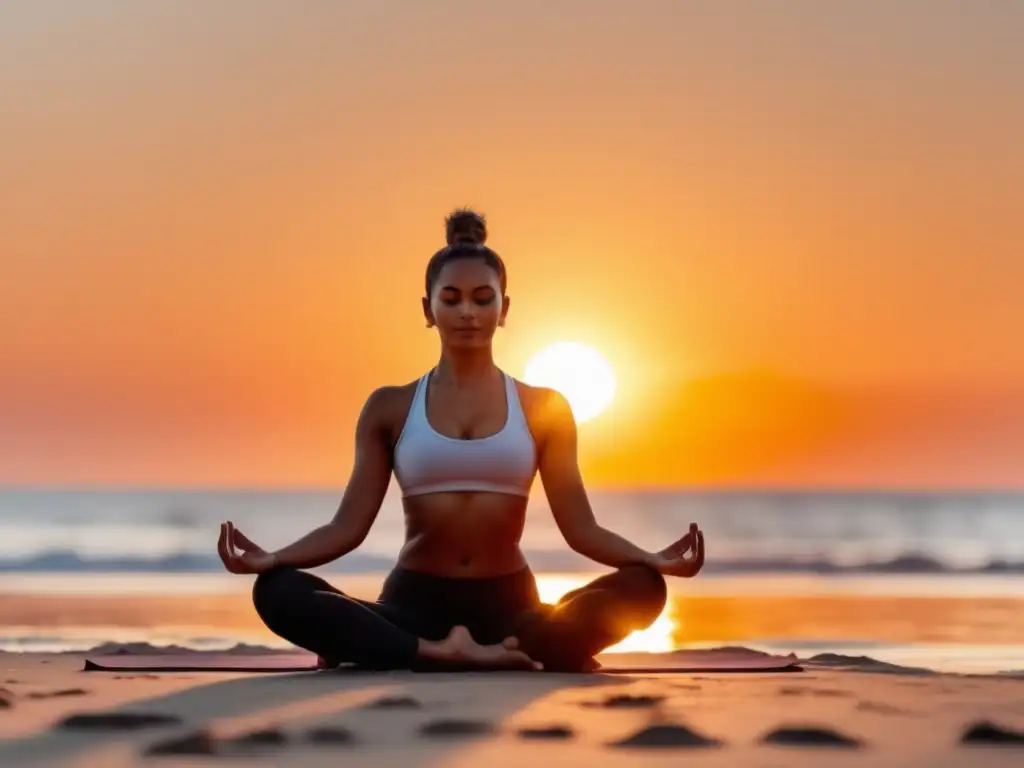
(546, 409)
(384, 399)
(386, 407)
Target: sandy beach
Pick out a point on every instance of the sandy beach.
(948, 663)
(850, 714)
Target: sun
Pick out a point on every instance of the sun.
(579, 372)
(657, 638)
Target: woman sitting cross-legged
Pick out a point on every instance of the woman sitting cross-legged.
(464, 442)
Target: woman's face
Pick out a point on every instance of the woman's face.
(466, 304)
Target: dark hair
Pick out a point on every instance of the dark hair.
(456, 222)
(464, 250)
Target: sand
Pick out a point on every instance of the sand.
(839, 711)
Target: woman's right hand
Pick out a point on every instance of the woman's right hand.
(251, 559)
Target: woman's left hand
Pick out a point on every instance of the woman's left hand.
(251, 559)
(674, 559)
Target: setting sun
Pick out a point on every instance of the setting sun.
(579, 372)
(657, 638)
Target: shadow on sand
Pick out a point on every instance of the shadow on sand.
(271, 716)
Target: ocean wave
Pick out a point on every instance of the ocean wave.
(542, 561)
(67, 561)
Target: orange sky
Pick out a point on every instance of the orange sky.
(795, 231)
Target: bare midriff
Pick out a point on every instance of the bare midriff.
(466, 535)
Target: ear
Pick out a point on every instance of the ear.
(505, 301)
(427, 314)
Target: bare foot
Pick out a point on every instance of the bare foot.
(460, 648)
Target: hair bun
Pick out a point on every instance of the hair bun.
(464, 225)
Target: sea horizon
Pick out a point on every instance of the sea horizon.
(900, 576)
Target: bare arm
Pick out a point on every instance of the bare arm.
(360, 503)
(560, 474)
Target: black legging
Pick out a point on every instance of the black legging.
(310, 613)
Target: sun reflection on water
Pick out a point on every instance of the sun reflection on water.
(657, 638)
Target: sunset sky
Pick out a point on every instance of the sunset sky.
(793, 228)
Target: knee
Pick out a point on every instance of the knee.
(646, 590)
(269, 591)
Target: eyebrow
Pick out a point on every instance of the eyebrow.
(484, 287)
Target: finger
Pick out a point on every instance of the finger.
(688, 545)
(682, 546)
(694, 564)
(230, 557)
(231, 539)
(511, 643)
(244, 543)
(222, 544)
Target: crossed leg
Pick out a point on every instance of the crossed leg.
(310, 613)
(566, 636)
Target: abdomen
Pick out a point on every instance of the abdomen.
(467, 535)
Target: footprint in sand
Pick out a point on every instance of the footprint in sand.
(626, 701)
(58, 693)
(987, 733)
(547, 732)
(668, 735)
(116, 721)
(395, 702)
(457, 728)
(265, 737)
(198, 743)
(204, 743)
(809, 736)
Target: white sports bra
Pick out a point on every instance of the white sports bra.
(426, 461)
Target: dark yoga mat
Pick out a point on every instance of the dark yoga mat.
(716, 661)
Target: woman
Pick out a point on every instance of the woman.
(464, 442)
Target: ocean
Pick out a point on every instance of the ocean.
(934, 578)
(175, 531)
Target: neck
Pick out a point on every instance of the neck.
(466, 367)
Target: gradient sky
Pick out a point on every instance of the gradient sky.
(794, 228)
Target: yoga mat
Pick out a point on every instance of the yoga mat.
(681, 662)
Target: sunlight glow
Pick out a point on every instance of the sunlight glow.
(579, 372)
(657, 638)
